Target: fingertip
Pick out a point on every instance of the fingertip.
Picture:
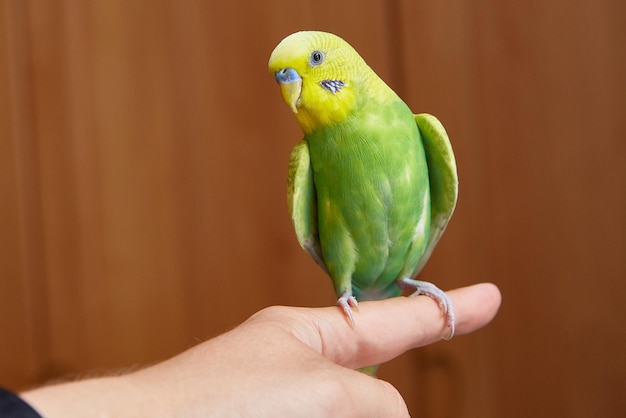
(491, 292)
(476, 306)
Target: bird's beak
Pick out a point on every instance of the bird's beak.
(290, 86)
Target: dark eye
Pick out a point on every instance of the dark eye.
(316, 58)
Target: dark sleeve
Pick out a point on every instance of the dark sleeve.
(12, 406)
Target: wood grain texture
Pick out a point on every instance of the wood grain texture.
(144, 148)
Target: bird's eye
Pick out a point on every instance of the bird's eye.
(316, 58)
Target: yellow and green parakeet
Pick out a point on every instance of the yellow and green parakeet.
(372, 186)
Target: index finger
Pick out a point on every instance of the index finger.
(387, 328)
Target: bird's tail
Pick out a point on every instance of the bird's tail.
(370, 370)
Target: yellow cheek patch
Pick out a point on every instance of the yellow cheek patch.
(320, 106)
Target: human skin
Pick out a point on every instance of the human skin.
(282, 361)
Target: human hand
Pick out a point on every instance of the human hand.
(283, 361)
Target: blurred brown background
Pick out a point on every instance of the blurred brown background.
(143, 158)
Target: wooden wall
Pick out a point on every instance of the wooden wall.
(143, 154)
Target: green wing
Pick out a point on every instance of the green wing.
(444, 182)
(302, 201)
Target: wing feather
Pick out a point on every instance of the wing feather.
(444, 182)
(302, 201)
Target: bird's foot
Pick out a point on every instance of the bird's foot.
(347, 302)
(432, 291)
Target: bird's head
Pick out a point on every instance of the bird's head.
(320, 77)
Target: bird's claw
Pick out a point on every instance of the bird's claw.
(432, 291)
(348, 302)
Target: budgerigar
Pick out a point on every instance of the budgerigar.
(372, 186)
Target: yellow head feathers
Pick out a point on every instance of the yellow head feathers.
(322, 78)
